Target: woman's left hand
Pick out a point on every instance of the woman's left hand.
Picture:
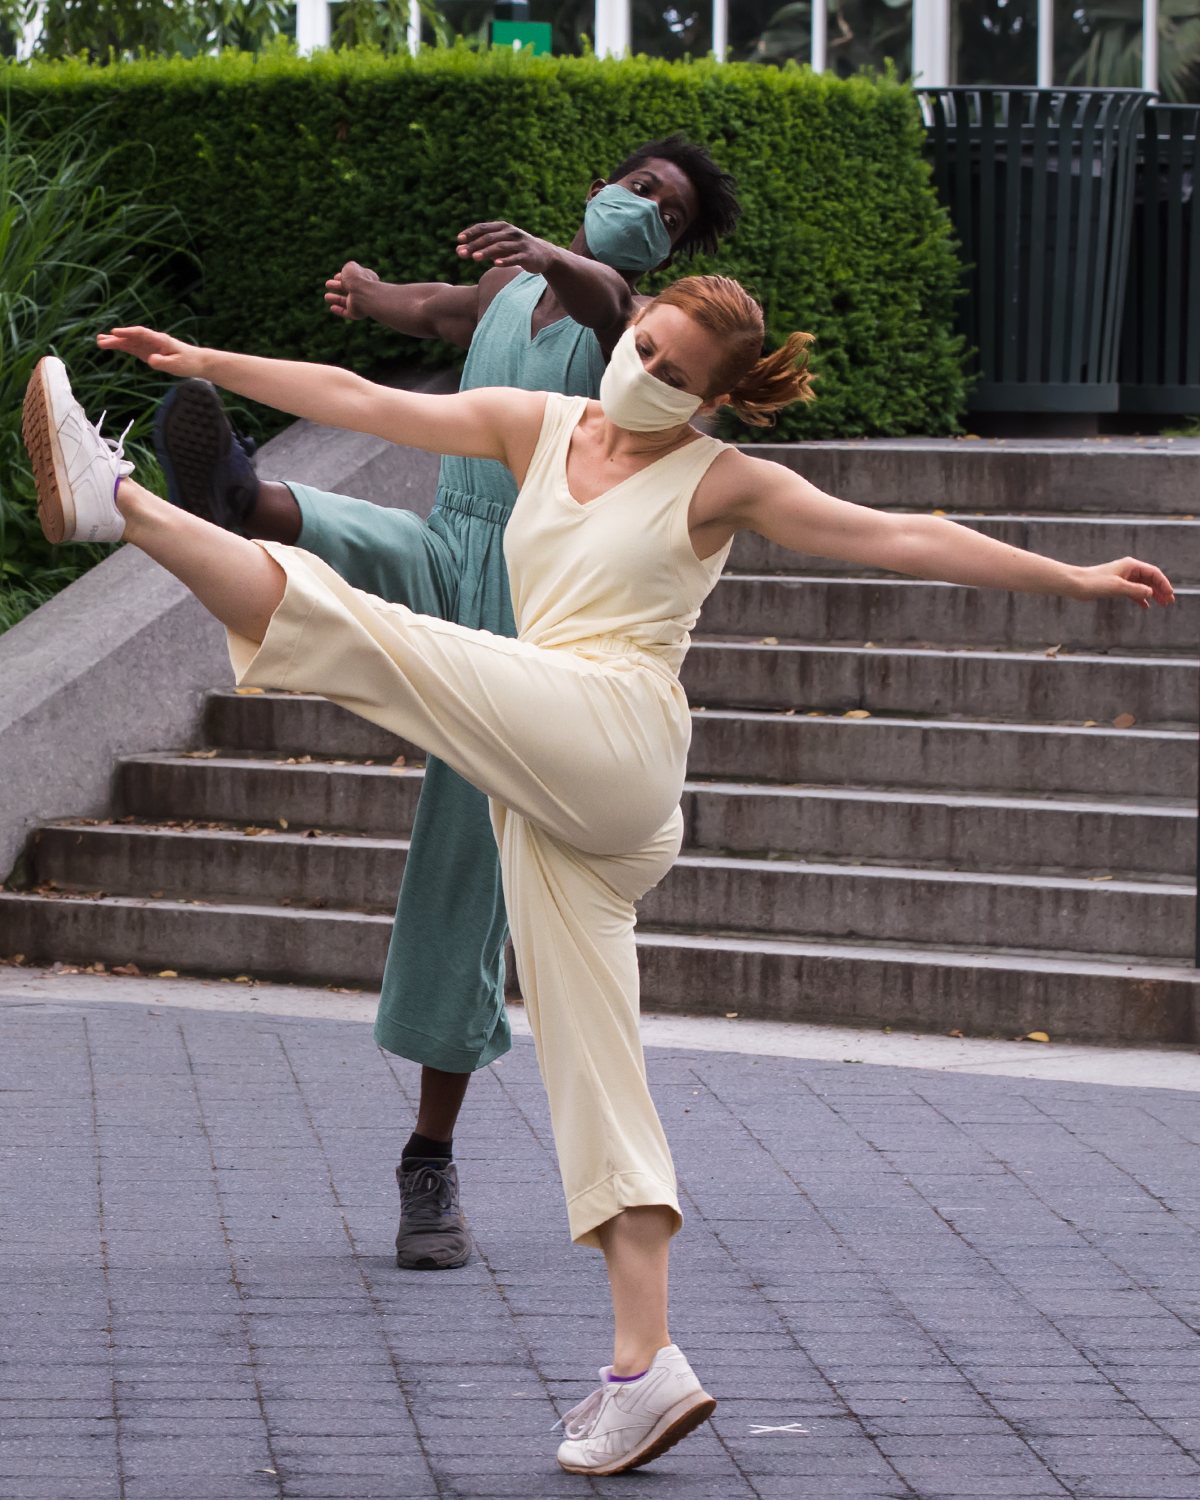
(159, 350)
(1124, 579)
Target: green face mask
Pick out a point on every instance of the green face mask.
(625, 231)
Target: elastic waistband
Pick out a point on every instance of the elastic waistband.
(473, 505)
(663, 659)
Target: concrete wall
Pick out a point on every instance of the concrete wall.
(119, 662)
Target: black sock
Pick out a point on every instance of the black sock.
(421, 1147)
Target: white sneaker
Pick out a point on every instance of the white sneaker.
(627, 1423)
(75, 469)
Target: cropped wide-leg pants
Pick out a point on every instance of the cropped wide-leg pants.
(582, 757)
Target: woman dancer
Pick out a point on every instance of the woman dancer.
(578, 730)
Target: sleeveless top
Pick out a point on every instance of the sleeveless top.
(564, 356)
(619, 572)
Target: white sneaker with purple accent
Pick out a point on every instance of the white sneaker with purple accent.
(75, 469)
(627, 1423)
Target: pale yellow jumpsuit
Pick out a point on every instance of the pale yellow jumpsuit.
(578, 732)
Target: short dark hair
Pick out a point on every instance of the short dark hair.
(718, 209)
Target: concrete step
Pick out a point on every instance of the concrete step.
(1153, 477)
(982, 684)
(180, 786)
(1085, 540)
(971, 832)
(268, 941)
(927, 753)
(735, 893)
(1074, 996)
(898, 611)
(943, 754)
(352, 872)
(867, 824)
(703, 893)
(297, 724)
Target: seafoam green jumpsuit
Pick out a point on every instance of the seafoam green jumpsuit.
(443, 985)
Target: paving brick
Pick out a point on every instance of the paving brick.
(1040, 1346)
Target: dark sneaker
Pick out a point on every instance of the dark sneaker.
(209, 467)
(433, 1233)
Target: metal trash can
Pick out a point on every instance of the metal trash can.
(1160, 337)
(1039, 185)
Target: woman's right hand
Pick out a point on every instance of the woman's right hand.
(159, 350)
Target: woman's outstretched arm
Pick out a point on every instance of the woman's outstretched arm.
(743, 493)
(489, 423)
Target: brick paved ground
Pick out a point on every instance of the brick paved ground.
(922, 1284)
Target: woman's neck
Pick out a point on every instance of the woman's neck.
(617, 443)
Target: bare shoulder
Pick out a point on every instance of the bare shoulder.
(492, 282)
(734, 477)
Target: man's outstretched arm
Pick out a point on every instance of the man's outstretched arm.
(422, 309)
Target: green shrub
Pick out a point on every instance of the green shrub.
(283, 168)
(75, 257)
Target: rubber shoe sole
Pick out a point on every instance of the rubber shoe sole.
(672, 1427)
(56, 509)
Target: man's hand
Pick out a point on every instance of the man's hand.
(345, 292)
(159, 350)
(506, 245)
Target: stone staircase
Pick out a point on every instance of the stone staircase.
(908, 804)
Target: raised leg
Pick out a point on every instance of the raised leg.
(275, 514)
(235, 579)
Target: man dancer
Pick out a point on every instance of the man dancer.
(541, 319)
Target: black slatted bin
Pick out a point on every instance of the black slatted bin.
(1039, 185)
(1160, 340)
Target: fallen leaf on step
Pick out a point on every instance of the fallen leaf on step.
(1036, 1036)
(769, 640)
(283, 822)
(167, 974)
(399, 761)
(1089, 723)
(129, 970)
(197, 755)
(1054, 650)
(246, 692)
(816, 713)
(731, 1015)
(1124, 721)
(242, 979)
(156, 895)
(939, 512)
(1099, 877)
(956, 1033)
(857, 713)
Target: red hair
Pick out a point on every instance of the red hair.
(758, 385)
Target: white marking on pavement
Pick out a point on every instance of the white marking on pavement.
(1133, 1067)
(757, 1429)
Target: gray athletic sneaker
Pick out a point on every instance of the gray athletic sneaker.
(433, 1233)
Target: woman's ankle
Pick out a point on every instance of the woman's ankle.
(632, 1357)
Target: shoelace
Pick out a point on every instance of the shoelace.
(580, 1420)
(116, 444)
(431, 1199)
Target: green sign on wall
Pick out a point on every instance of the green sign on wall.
(522, 36)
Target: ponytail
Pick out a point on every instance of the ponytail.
(774, 382)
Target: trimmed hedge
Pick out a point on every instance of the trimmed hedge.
(284, 167)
